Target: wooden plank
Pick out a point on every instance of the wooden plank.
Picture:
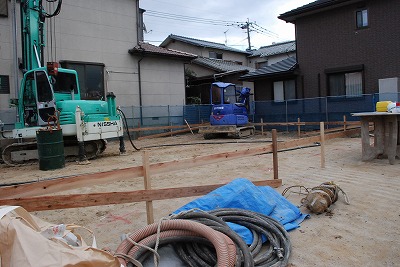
(98, 199)
(73, 182)
(143, 129)
(303, 123)
(168, 133)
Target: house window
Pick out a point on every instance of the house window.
(362, 18)
(91, 79)
(284, 90)
(3, 8)
(215, 55)
(349, 84)
(4, 84)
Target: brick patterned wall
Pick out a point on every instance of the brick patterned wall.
(331, 40)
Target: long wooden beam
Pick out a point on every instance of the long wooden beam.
(73, 182)
(168, 133)
(98, 199)
(304, 123)
(143, 129)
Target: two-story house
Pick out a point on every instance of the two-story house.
(271, 54)
(102, 42)
(215, 62)
(344, 47)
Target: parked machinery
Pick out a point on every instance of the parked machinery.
(51, 91)
(229, 116)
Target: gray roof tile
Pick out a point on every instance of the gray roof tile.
(275, 49)
(315, 6)
(143, 47)
(201, 43)
(221, 65)
(287, 65)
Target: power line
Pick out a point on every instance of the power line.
(164, 15)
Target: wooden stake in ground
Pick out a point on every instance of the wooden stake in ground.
(275, 153)
(189, 127)
(322, 133)
(147, 186)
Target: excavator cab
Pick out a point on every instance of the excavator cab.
(38, 102)
(229, 104)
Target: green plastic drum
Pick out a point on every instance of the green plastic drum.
(50, 146)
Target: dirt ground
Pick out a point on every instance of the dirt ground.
(364, 233)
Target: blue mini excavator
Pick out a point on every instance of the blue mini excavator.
(229, 116)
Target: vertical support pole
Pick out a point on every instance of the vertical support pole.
(147, 186)
(298, 127)
(344, 123)
(275, 153)
(322, 132)
(262, 126)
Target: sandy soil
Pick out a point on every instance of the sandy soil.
(364, 233)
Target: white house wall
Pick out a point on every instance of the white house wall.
(102, 32)
(163, 81)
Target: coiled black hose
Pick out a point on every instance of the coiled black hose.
(196, 251)
(276, 251)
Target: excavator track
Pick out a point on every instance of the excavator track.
(20, 154)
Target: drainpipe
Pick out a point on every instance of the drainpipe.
(140, 90)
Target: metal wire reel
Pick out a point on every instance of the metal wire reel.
(321, 197)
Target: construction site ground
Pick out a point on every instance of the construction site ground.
(364, 233)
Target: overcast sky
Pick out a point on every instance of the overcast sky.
(213, 20)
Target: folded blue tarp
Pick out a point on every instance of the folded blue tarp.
(243, 194)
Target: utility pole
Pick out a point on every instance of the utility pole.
(247, 27)
(248, 33)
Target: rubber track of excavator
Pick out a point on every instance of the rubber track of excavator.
(92, 150)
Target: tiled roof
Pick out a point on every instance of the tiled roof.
(147, 48)
(284, 66)
(313, 7)
(201, 43)
(275, 49)
(221, 65)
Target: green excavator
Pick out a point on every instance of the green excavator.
(49, 92)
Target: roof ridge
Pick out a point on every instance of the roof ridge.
(275, 44)
(191, 38)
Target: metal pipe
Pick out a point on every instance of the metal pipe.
(15, 50)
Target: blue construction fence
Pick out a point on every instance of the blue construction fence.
(308, 110)
(311, 110)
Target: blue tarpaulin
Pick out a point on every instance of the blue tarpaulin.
(243, 194)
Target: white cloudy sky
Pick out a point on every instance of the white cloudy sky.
(263, 13)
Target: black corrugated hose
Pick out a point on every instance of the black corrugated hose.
(196, 251)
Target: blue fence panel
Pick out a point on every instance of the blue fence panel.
(197, 113)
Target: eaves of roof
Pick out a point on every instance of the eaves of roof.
(314, 7)
(200, 43)
(285, 66)
(221, 65)
(148, 49)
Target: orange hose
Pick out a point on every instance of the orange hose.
(224, 246)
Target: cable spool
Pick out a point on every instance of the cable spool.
(321, 197)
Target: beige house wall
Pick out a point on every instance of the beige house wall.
(204, 51)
